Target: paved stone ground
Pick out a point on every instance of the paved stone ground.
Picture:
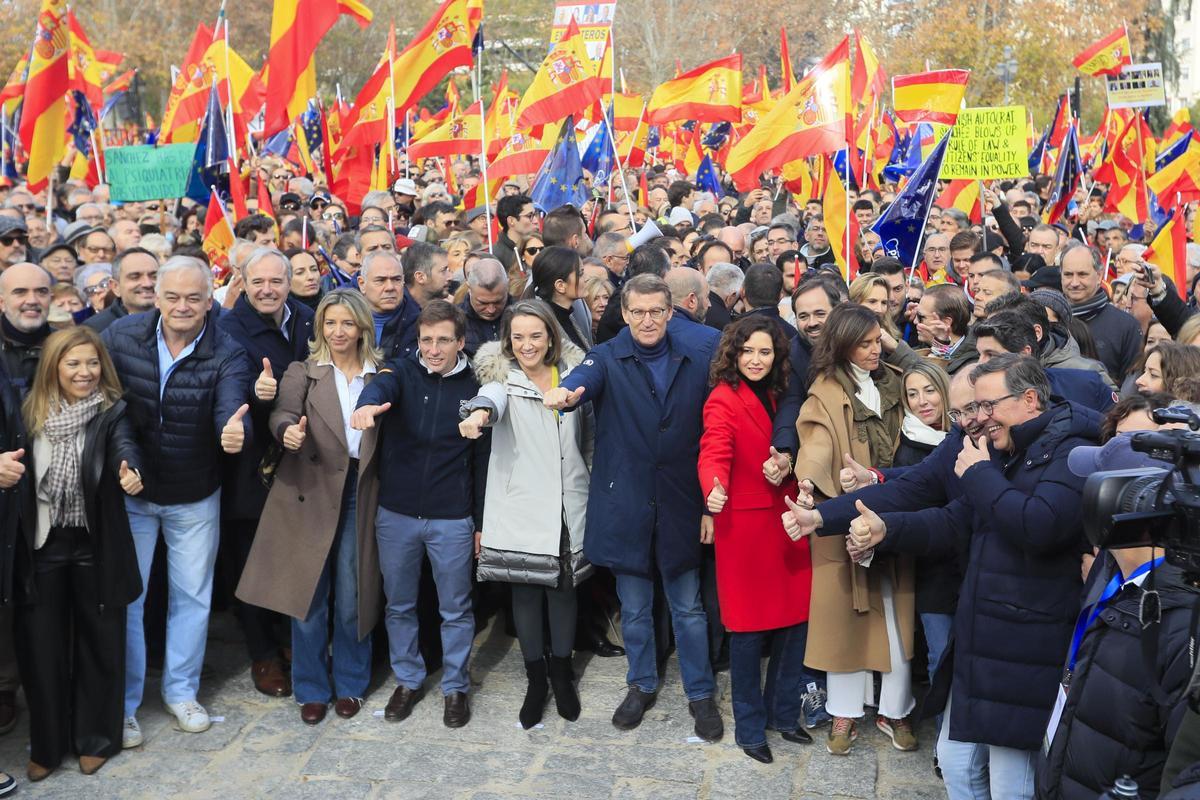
(261, 748)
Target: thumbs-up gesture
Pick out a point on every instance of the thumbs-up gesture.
(233, 435)
(716, 497)
(866, 531)
(972, 453)
(854, 475)
(798, 521)
(131, 479)
(559, 398)
(266, 386)
(472, 426)
(364, 417)
(776, 468)
(293, 435)
(11, 468)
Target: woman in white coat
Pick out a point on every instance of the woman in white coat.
(535, 506)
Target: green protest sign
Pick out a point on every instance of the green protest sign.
(988, 143)
(145, 172)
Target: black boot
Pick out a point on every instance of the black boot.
(562, 679)
(535, 693)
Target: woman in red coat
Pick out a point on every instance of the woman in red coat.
(763, 580)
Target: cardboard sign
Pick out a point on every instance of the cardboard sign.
(988, 143)
(1138, 86)
(145, 172)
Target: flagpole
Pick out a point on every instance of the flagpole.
(612, 142)
(846, 222)
(230, 135)
(96, 155)
(483, 145)
(407, 132)
(391, 108)
(925, 223)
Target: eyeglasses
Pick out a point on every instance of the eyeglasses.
(639, 314)
(441, 341)
(533, 251)
(99, 250)
(97, 288)
(328, 216)
(318, 204)
(957, 415)
(152, 206)
(26, 207)
(9, 241)
(291, 205)
(988, 407)
(529, 215)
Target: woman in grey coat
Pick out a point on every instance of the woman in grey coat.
(537, 454)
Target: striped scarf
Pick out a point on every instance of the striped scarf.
(62, 487)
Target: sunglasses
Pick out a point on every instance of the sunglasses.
(8, 241)
(533, 251)
(280, 176)
(290, 206)
(318, 204)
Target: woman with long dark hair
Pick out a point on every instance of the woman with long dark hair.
(79, 567)
(557, 280)
(763, 580)
(861, 618)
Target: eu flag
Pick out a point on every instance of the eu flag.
(1173, 152)
(1039, 152)
(598, 156)
(901, 226)
(559, 181)
(1067, 175)
(310, 121)
(707, 180)
(210, 165)
(280, 144)
(83, 124)
(717, 135)
(910, 158)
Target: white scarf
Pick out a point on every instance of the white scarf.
(867, 392)
(917, 431)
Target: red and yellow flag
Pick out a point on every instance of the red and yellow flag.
(785, 62)
(14, 90)
(460, 134)
(1168, 251)
(44, 112)
(964, 195)
(869, 78)
(1107, 56)
(522, 154)
(1178, 181)
(443, 44)
(498, 122)
(565, 83)
(218, 237)
(368, 116)
(930, 96)
(711, 92)
(297, 27)
(809, 120)
(189, 83)
(841, 225)
(84, 70)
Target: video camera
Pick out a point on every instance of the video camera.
(1139, 507)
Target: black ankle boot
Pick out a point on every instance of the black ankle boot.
(535, 693)
(562, 680)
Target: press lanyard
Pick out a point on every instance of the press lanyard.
(1089, 614)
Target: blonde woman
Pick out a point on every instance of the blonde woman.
(871, 291)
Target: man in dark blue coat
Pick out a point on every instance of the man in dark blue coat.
(274, 330)
(647, 386)
(186, 384)
(1020, 508)
(393, 308)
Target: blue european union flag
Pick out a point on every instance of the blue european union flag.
(1039, 152)
(910, 156)
(400, 136)
(310, 121)
(83, 124)
(280, 143)
(1157, 213)
(717, 136)
(598, 157)
(559, 181)
(210, 165)
(1173, 152)
(653, 137)
(901, 226)
(844, 169)
(707, 180)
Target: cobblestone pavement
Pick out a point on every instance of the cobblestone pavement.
(260, 748)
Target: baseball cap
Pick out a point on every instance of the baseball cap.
(475, 213)
(1044, 278)
(405, 186)
(1117, 453)
(290, 197)
(10, 225)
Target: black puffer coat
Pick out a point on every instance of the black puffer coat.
(180, 436)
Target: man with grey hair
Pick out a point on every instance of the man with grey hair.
(725, 284)
(613, 249)
(274, 331)
(689, 294)
(393, 309)
(186, 382)
(1128, 258)
(1118, 335)
(485, 303)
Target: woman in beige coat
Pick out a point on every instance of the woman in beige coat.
(861, 615)
(317, 529)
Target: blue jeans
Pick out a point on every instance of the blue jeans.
(190, 532)
(778, 705)
(937, 629)
(974, 771)
(691, 632)
(450, 545)
(310, 636)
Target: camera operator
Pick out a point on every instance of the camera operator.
(1123, 696)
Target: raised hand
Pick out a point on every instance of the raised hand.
(11, 468)
(798, 521)
(866, 531)
(131, 480)
(293, 435)
(716, 497)
(364, 417)
(472, 426)
(776, 468)
(854, 475)
(559, 398)
(233, 435)
(266, 386)
(972, 453)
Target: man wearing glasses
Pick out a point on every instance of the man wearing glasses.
(96, 247)
(518, 221)
(14, 241)
(645, 505)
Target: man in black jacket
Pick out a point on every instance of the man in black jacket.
(135, 271)
(186, 383)
(1117, 334)
(25, 296)
(518, 221)
(274, 330)
(487, 298)
(428, 505)
(12, 469)
(393, 309)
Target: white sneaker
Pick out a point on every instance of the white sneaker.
(190, 716)
(131, 734)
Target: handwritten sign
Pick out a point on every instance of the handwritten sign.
(987, 143)
(145, 172)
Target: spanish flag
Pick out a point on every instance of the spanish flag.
(120, 83)
(498, 122)
(841, 225)
(869, 77)
(930, 96)
(367, 118)
(189, 83)
(1168, 251)
(964, 195)
(297, 27)
(522, 154)
(565, 83)
(14, 90)
(711, 92)
(443, 44)
(1107, 56)
(627, 111)
(44, 112)
(460, 134)
(810, 120)
(218, 237)
(1181, 125)
(84, 68)
(1178, 180)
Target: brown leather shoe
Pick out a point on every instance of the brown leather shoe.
(401, 703)
(313, 713)
(270, 679)
(36, 772)
(347, 707)
(458, 711)
(90, 765)
(8, 711)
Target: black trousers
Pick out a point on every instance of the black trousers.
(71, 653)
(266, 631)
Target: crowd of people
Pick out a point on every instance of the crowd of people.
(670, 413)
